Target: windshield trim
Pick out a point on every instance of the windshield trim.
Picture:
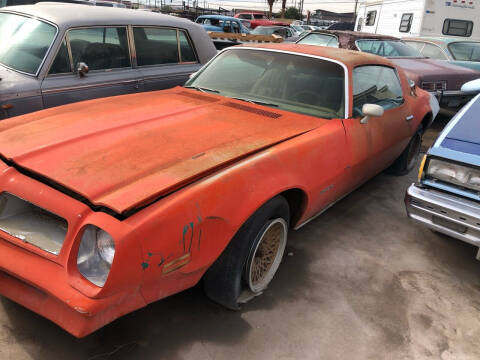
(345, 68)
(57, 30)
(388, 57)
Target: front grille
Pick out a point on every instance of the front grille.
(32, 224)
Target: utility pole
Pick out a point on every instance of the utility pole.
(355, 12)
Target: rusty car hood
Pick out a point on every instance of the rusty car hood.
(424, 69)
(124, 152)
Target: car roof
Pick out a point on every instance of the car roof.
(219, 17)
(438, 40)
(66, 15)
(347, 57)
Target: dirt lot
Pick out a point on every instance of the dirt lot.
(359, 282)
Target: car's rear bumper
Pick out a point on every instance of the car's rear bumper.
(445, 213)
(42, 286)
(453, 99)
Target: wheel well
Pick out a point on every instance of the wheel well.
(427, 120)
(297, 201)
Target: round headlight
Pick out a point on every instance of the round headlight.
(95, 255)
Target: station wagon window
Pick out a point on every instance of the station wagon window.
(374, 84)
(415, 44)
(455, 27)
(24, 42)
(61, 64)
(434, 52)
(320, 40)
(157, 46)
(465, 51)
(371, 17)
(101, 48)
(406, 23)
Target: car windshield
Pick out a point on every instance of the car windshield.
(320, 40)
(25, 42)
(291, 82)
(388, 48)
(465, 51)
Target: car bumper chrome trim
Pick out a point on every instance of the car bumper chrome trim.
(445, 213)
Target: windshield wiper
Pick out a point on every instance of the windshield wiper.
(258, 102)
(203, 89)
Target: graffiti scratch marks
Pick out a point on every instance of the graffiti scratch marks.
(176, 264)
(186, 229)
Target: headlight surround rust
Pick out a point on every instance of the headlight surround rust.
(455, 174)
(95, 255)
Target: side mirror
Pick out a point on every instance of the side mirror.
(82, 69)
(471, 86)
(371, 110)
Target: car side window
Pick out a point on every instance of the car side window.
(320, 40)
(155, 46)
(416, 44)
(101, 48)
(433, 52)
(61, 64)
(375, 84)
(186, 48)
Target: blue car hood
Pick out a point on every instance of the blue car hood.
(460, 140)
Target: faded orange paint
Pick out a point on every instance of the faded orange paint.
(217, 162)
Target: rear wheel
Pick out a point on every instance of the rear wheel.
(408, 159)
(252, 258)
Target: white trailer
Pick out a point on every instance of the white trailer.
(452, 18)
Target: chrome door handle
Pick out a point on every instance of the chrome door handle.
(409, 118)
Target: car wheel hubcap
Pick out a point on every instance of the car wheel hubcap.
(267, 255)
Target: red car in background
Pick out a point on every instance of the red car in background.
(259, 19)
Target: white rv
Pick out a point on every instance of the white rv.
(452, 18)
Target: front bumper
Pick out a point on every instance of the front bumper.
(42, 286)
(445, 213)
(452, 99)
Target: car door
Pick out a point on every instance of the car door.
(165, 57)
(375, 144)
(106, 53)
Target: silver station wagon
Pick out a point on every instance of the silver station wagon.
(53, 54)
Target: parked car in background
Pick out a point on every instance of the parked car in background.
(63, 53)
(298, 29)
(457, 52)
(214, 176)
(446, 197)
(284, 31)
(109, 4)
(438, 77)
(259, 19)
(219, 23)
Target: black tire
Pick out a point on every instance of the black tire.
(409, 157)
(225, 281)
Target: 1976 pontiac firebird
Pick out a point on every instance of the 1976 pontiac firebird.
(111, 204)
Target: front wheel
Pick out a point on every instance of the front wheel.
(409, 157)
(250, 261)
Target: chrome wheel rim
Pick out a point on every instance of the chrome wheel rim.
(267, 255)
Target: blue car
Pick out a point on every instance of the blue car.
(219, 23)
(446, 197)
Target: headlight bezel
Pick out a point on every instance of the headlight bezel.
(462, 173)
(93, 263)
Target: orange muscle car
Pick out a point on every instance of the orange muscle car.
(111, 204)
